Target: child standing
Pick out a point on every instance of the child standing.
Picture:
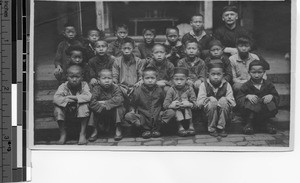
(173, 45)
(115, 47)
(164, 68)
(180, 100)
(216, 56)
(258, 99)
(216, 97)
(198, 34)
(101, 61)
(146, 105)
(127, 69)
(106, 106)
(194, 64)
(240, 62)
(145, 48)
(61, 59)
(93, 35)
(71, 102)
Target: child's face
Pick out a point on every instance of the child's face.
(230, 17)
(127, 49)
(197, 23)
(243, 50)
(172, 36)
(215, 76)
(159, 53)
(93, 36)
(149, 78)
(70, 32)
(256, 73)
(101, 47)
(148, 37)
(191, 50)
(74, 77)
(122, 33)
(105, 79)
(179, 80)
(76, 57)
(216, 51)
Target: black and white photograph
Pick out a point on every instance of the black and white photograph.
(162, 75)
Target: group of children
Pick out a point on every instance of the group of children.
(112, 85)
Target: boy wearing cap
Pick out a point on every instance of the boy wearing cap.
(258, 100)
(240, 62)
(216, 55)
(198, 34)
(180, 100)
(216, 98)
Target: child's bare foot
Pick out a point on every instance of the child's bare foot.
(94, 135)
(62, 139)
(82, 139)
(191, 131)
(118, 135)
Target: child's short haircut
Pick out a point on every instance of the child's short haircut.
(217, 63)
(101, 33)
(215, 43)
(76, 47)
(191, 41)
(158, 45)
(76, 67)
(68, 24)
(172, 28)
(149, 29)
(197, 15)
(101, 40)
(181, 70)
(121, 26)
(128, 40)
(150, 68)
(256, 63)
(104, 70)
(243, 40)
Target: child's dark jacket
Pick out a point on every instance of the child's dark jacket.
(248, 88)
(113, 97)
(165, 70)
(196, 71)
(174, 53)
(148, 102)
(145, 50)
(98, 63)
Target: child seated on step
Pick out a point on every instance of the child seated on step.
(127, 70)
(216, 54)
(180, 100)
(163, 66)
(71, 103)
(258, 100)
(101, 61)
(146, 106)
(194, 64)
(216, 98)
(61, 59)
(145, 48)
(240, 62)
(106, 106)
(93, 35)
(76, 55)
(115, 47)
(174, 47)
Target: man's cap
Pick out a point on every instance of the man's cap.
(181, 70)
(230, 8)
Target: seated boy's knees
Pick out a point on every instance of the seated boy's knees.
(83, 111)
(197, 84)
(223, 103)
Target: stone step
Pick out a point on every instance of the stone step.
(46, 129)
(44, 98)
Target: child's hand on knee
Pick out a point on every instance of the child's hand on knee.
(186, 103)
(93, 81)
(175, 104)
(161, 83)
(267, 98)
(197, 83)
(252, 98)
(212, 99)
